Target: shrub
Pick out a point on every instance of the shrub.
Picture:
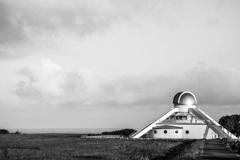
(225, 140)
(238, 144)
(17, 132)
(233, 145)
(4, 131)
(123, 132)
(238, 150)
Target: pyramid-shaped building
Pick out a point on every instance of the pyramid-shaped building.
(184, 120)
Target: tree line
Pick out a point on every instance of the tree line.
(123, 132)
(231, 123)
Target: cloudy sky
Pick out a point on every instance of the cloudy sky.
(115, 63)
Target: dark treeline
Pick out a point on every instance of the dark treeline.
(231, 123)
(4, 131)
(123, 132)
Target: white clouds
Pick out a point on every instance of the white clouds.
(26, 18)
(80, 88)
(49, 82)
(43, 81)
(161, 33)
(28, 22)
(215, 85)
(85, 98)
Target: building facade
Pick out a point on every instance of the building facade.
(184, 121)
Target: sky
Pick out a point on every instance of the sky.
(115, 63)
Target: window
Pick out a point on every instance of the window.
(176, 132)
(186, 131)
(165, 131)
(155, 131)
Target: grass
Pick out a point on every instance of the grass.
(73, 147)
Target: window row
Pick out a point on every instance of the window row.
(165, 132)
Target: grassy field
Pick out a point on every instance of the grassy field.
(73, 147)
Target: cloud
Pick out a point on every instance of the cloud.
(22, 19)
(35, 23)
(42, 81)
(11, 29)
(49, 83)
(214, 85)
(32, 22)
(81, 17)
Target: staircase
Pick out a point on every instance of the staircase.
(217, 128)
(153, 123)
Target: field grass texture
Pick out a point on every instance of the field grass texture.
(73, 147)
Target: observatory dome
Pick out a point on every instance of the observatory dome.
(184, 98)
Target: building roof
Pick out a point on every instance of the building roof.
(167, 127)
(172, 123)
(185, 98)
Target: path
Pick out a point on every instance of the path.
(214, 149)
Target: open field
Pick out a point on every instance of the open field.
(71, 147)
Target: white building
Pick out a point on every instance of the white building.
(184, 120)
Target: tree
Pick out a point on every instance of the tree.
(4, 131)
(17, 132)
(231, 123)
(123, 132)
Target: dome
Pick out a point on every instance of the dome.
(184, 98)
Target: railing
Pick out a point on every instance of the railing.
(222, 131)
(216, 123)
(150, 122)
(230, 134)
(182, 121)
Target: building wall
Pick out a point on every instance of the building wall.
(171, 133)
(197, 131)
(194, 132)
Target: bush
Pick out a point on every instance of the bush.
(238, 144)
(17, 132)
(238, 150)
(4, 131)
(231, 123)
(225, 140)
(123, 132)
(233, 145)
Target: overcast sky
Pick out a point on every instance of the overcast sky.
(115, 63)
